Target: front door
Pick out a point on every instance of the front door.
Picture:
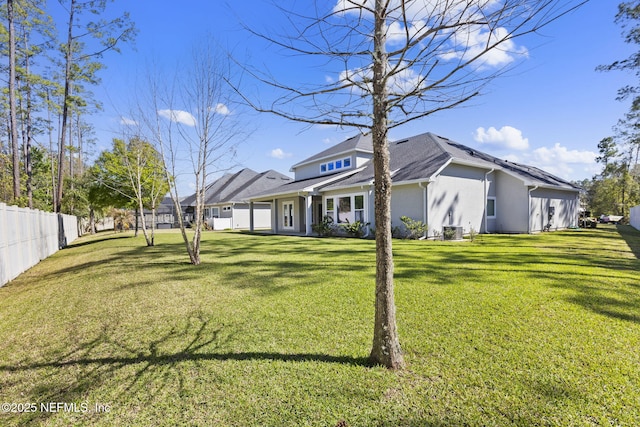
(287, 215)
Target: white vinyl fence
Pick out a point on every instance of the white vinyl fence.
(634, 217)
(28, 236)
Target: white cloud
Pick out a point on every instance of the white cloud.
(128, 122)
(472, 42)
(178, 116)
(507, 137)
(279, 153)
(560, 154)
(222, 109)
(464, 42)
(559, 160)
(401, 83)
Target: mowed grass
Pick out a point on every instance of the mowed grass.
(275, 331)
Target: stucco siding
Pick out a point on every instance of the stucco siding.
(512, 200)
(406, 200)
(553, 209)
(457, 198)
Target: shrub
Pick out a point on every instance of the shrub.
(324, 228)
(472, 233)
(413, 229)
(355, 229)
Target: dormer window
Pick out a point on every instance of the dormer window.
(335, 165)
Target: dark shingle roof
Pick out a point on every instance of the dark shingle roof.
(310, 184)
(239, 186)
(422, 156)
(357, 143)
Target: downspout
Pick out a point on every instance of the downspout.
(486, 195)
(529, 209)
(423, 185)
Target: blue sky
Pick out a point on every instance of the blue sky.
(550, 112)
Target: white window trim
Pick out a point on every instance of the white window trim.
(495, 208)
(336, 204)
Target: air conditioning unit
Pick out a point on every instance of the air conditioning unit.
(452, 232)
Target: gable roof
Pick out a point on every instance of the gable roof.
(239, 186)
(359, 142)
(422, 158)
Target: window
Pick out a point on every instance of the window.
(491, 207)
(335, 165)
(344, 210)
(215, 212)
(287, 215)
(359, 208)
(207, 213)
(330, 208)
(226, 208)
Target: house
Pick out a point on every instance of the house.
(226, 204)
(434, 180)
(165, 215)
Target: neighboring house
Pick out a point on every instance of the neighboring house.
(227, 205)
(165, 214)
(435, 180)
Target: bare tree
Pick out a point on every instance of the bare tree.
(395, 61)
(189, 120)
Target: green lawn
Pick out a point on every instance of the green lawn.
(275, 331)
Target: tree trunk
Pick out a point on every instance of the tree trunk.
(65, 107)
(15, 147)
(386, 345)
(29, 137)
(92, 221)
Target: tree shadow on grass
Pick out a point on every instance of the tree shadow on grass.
(143, 370)
(632, 237)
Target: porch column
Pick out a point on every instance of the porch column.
(251, 227)
(275, 216)
(309, 216)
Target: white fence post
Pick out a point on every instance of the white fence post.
(634, 217)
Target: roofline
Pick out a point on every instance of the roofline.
(497, 167)
(551, 187)
(310, 188)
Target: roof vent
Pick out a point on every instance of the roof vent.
(402, 142)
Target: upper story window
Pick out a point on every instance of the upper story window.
(335, 165)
